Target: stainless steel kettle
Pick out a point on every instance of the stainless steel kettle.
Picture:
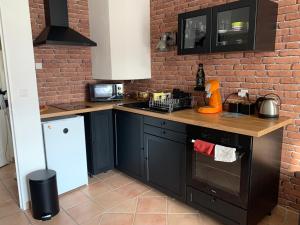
(268, 107)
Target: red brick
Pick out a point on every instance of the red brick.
(288, 81)
(289, 24)
(280, 73)
(244, 72)
(288, 9)
(287, 2)
(292, 16)
(293, 45)
(296, 66)
(294, 52)
(254, 67)
(278, 67)
(290, 38)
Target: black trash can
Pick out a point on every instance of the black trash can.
(44, 196)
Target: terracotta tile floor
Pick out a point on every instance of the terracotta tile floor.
(114, 199)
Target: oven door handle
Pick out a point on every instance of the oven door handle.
(240, 155)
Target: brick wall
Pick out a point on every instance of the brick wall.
(261, 73)
(66, 70)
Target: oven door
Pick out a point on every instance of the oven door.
(103, 90)
(226, 181)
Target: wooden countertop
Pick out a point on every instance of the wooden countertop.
(52, 111)
(247, 125)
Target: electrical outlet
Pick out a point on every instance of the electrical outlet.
(39, 66)
(243, 93)
(23, 93)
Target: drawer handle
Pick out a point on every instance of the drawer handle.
(213, 191)
(163, 123)
(213, 200)
(204, 135)
(164, 132)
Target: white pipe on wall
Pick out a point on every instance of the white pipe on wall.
(16, 39)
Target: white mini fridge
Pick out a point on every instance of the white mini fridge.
(65, 151)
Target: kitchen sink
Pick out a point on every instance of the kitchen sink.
(143, 106)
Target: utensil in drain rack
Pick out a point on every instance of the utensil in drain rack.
(171, 104)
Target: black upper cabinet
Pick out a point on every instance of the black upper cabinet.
(194, 32)
(238, 26)
(129, 144)
(99, 141)
(244, 25)
(234, 27)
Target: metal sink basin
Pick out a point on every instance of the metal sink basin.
(143, 106)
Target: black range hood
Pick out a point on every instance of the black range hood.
(57, 31)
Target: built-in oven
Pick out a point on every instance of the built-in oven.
(223, 180)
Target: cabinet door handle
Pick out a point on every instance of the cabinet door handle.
(116, 141)
(147, 164)
(213, 191)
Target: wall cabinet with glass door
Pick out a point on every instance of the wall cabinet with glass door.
(238, 26)
(194, 32)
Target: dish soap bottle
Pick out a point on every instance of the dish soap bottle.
(200, 79)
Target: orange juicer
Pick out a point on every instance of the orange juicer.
(212, 89)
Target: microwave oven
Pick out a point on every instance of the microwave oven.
(106, 92)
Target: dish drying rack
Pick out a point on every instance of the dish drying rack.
(171, 104)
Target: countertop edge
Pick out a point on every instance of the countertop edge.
(207, 125)
(74, 112)
(169, 117)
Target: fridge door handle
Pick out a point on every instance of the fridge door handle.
(66, 130)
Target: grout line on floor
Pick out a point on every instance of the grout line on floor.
(135, 209)
(167, 208)
(70, 216)
(100, 219)
(27, 217)
(91, 199)
(105, 210)
(8, 191)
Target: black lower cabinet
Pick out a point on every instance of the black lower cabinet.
(242, 192)
(165, 165)
(99, 141)
(161, 154)
(129, 144)
(224, 211)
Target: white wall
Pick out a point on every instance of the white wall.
(2, 75)
(18, 50)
